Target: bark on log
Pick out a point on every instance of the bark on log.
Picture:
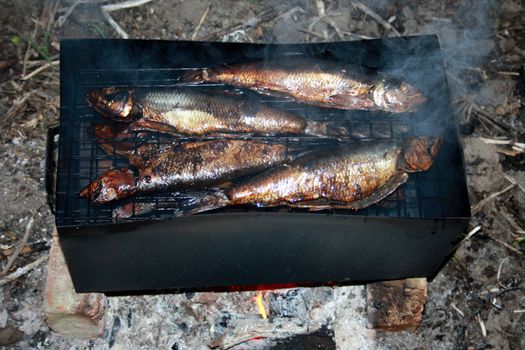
(396, 305)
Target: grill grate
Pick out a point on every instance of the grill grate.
(429, 194)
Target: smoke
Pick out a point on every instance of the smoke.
(466, 39)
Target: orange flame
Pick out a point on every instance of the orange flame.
(260, 305)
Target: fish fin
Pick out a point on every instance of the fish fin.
(201, 203)
(149, 125)
(382, 192)
(107, 138)
(350, 102)
(325, 130)
(232, 92)
(198, 76)
(119, 149)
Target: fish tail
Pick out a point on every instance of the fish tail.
(205, 202)
(325, 130)
(198, 76)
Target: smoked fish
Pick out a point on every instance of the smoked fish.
(190, 112)
(189, 165)
(318, 82)
(351, 177)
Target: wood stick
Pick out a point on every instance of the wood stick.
(514, 181)
(22, 271)
(503, 142)
(311, 32)
(516, 74)
(482, 326)
(21, 245)
(288, 13)
(321, 13)
(121, 32)
(124, 5)
(27, 249)
(477, 207)
(468, 236)
(40, 69)
(320, 7)
(203, 17)
(508, 219)
(375, 16)
(336, 28)
(506, 245)
(28, 50)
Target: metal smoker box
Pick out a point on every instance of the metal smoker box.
(409, 234)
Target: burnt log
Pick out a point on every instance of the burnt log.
(396, 305)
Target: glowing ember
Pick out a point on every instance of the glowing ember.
(260, 305)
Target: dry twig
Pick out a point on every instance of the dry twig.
(312, 33)
(500, 268)
(288, 13)
(106, 9)
(485, 116)
(62, 19)
(203, 17)
(321, 14)
(460, 313)
(506, 245)
(367, 10)
(331, 22)
(27, 249)
(121, 32)
(468, 236)
(477, 207)
(506, 216)
(40, 69)
(482, 326)
(18, 249)
(514, 181)
(516, 74)
(124, 5)
(517, 146)
(28, 50)
(21, 271)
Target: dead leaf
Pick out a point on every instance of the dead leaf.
(10, 335)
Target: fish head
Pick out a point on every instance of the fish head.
(112, 185)
(393, 95)
(420, 153)
(112, 103)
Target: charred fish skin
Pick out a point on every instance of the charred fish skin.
(209, 162)
(196, 164)
(353, 177)
(320, 83)
(187, 111)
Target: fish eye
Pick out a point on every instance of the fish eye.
(119, 96)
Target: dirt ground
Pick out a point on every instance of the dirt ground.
(477, 301)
